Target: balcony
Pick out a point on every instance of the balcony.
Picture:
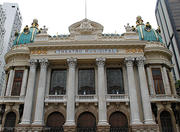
(55, 98)
(9, 99)
(163, 97)
(117, 98)
(86, 98)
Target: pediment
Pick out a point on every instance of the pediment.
(86, 27)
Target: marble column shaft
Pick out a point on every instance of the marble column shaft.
(102, 110)
(148, 119)
(166, 81)
(70, 120)
(28, 103)
(134, 107)
(150, 81)
(24, 82)
(4, 85)
(39, 111)
(10, 83)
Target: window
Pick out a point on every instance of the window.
(17, 83)
(86, 81)
(58, 82)
(115, 81)
(157, 80)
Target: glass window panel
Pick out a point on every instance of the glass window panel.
(115, 81)
(86, 81)
(157, 80)
(58, 82)
(17, 83)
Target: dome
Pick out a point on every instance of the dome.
(28, 34)
(146, 32)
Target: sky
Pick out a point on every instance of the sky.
(58, 15)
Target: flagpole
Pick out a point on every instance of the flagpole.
(85, 8)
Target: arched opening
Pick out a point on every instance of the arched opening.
(55, 122)
(166, 122)
(86, 122)
(118, 122)
(10, 122)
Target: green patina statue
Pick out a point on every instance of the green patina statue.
(28, 34)
(146, 32)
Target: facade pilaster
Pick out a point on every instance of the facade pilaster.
(166, 81)
(148, 119)
(102, 110)
(4, 85)
(134, 107)
(70, 120)
(28, 103)
(150, 81)
(10, 82)
(24, 83)
(39, 111)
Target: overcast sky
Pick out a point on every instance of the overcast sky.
(58, 15)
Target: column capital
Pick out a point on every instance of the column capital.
(33, 63)
(129, 61)
(100, 61)
(72, 62)
(140, 61)
(43, 62)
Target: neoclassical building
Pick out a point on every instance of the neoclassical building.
(88, 81)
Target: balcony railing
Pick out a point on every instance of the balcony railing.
(55, 98)
(86, 98)
(117, 98)
(163, 97)
(12, 99)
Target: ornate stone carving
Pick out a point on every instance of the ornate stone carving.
(43, 62)
(137, 50)
(140, 61)
(129, 61)
(100, 61)
(33, 63)
(72, 62)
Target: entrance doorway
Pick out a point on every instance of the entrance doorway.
(10, 122)
(86, 122)
(118, 122)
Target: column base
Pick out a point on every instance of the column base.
(145, 128)
(69, 128)
(103, 128)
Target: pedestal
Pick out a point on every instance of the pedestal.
(103, 128)
(69, 128)
(145, 128)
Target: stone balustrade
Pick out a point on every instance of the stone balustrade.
(6, 99)
(55, 98)
(117, 98)
(163, 97)
(86, 98)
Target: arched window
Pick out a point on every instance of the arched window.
(55, 122)
(166, 122)
(10, 122)
(86, 122)
(118, 122)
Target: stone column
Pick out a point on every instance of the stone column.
(166, 81)
(4, 85)
(102, 110)
(134, 107)
(24, 83)
(39, 111)
(70, 120)
(10, 82)
(148, 119)
(28, 103)
(150, 81)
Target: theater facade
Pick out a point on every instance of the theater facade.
(88, 81)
